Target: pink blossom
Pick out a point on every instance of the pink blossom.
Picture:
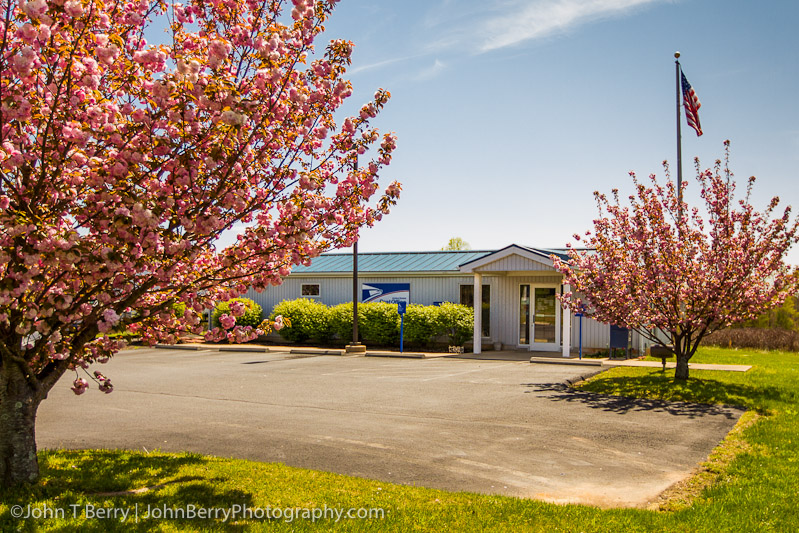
(215, 335)
(79, 386)
(105, 383)
(227, 321)
(27, 32)
(73, 8)
(25, 61)
(110, 316)
(107, 54)
(237, 308)
(44, 32)
(218, 51)
(138, 115)
(35, 8)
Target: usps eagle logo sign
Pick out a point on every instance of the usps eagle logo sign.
(386, 292)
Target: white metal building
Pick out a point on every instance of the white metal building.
(516, 284)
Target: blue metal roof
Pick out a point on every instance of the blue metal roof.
(563, 253)
(440, 261)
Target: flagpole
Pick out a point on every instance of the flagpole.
(679, 134)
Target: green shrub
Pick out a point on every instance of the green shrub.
(251, 316)
(421, 324)
(309, 320)
(121, 335)
(341, 321)
(380, 323)
(179, 308)
(457, 322)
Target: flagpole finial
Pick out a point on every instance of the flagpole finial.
(677, 55)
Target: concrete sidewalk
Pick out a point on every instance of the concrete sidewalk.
(551, 358)
(693, 366)
(605, 362)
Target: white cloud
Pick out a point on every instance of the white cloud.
(452, 26)
(523, 21)
(430, 72)
(379, 64)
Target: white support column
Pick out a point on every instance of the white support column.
(478, 312)
(566, 317)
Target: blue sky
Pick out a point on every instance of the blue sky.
(510, 113)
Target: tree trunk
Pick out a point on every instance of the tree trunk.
(681, 372)
(18, 404)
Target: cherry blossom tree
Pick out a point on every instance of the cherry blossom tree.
(670, 271)
(122, 162)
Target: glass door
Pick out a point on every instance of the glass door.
(545, 319)
(539, 315)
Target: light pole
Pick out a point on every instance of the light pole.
(355, 346)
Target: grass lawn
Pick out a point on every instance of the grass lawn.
(750, 482)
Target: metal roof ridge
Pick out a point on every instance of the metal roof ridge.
(412, 252)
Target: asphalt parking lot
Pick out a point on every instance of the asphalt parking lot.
(486, 426)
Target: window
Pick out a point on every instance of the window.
(524, 314)
(467, 298)
(310, 290)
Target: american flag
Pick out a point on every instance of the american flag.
(691, 105)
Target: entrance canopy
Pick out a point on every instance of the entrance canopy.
(532, 317)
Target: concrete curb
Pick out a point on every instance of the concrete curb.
(571, 382)
(179, 347)
(310, 351)
(251, 349)
(578, 362)
(258, 349)
(405, 355)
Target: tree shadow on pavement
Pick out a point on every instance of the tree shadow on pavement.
(559, 392)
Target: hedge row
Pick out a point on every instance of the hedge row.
(251, 316)
(378, 323)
